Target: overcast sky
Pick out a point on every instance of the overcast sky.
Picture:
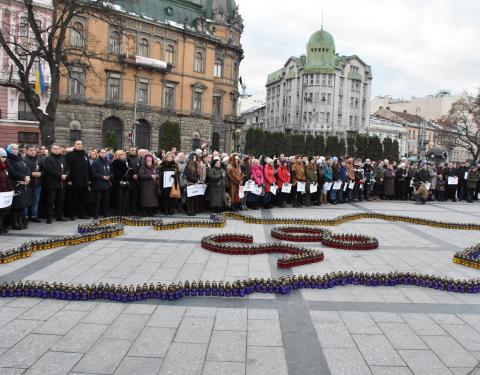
(415, 47)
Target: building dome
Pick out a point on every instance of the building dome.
(321, 39)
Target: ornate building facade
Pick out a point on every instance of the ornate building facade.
(158, 61)
(321, 92)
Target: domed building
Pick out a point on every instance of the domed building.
(321, 92)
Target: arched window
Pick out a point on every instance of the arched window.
(77, 35)
(198, 66)
(115, 42)
(170, 54)
(144, 47)
(218, 68)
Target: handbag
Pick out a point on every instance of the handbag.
(175, 192)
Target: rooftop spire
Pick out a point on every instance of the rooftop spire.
(322, 20)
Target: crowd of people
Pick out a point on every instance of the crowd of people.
(66, 183)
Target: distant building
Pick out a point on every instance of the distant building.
(430, 107)
(253, 117)
(386, 128)
(320, 93)
(17, 122)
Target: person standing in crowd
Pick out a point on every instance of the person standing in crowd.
(168, 168)
(121, 182)
(5, 186)
(192, 177)
(258, 179)
(379, 173)
(463, 170)
(149, 185)
(18, 173)
(310, 178)
(298, 175)
(216, 186)
(246, 170)
(400, 187)
(440, 189)
(451, 190)
(472, 180)
(55, 179)
(181, 161)
(78, 180)
(283, 176)
(101, 184)
(351, 177)
(269, 178)
(389, 182)
(234, 176)
(368, 179)
(35, 166)
(134, 163)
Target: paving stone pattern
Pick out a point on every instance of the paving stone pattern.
(351, 330)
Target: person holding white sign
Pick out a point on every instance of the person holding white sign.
(192, 178)
(257, 177)
(311, 180)
(298, 175)
(18, 173)
(269, 175)
(168, 176)
(451, 178)
(6, 189)
(283, 177)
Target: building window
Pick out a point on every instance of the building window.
(75, 135)
(197, 100)
(76, 84)
(77, 35)
(27, 138)
(114, 88)
(169, 96)
(217, 107)
(142, 92)
(23, 27)
(170, 54)
(218, 68)
(144, 48)
(24, 112)
(115, 41)
(235, 72)
(198, 64)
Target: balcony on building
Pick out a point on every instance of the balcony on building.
(145, 62)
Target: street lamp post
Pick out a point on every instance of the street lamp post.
(237, 133)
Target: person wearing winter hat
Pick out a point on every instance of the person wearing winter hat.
(269, 178)
(5, 186)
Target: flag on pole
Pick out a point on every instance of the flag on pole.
(39, 81)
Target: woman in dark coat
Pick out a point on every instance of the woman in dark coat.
(389, 182)
(192, 177)
(168, 165)
(101, 183)
(148, 185)
(216, 186)
(18, 172)
(121, 174)
(5, 186)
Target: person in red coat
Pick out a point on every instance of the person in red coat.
(4, 187)
(283, 176)
(269, 177)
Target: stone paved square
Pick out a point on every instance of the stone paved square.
(349, 330)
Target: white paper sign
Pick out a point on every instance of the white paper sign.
(168, 179)
(411, 183)
(327, 186)
(361, 186)
(313, 188)
(466, 175)
(273, 189)
(257, 190)
(337, 185)
(427, 185)
(351, 185)
(453, 180)
(286, 188)
(345, 187)
(6, 199)
(249, 185)
(194, 190)
(241, 193)
(301, 187)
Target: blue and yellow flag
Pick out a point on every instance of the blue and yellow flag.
(39, 81)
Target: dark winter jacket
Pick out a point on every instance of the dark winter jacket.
(216, 187)
(100, 168)
(54, 169)
(121, 171)
(35, 164)
(78, 168)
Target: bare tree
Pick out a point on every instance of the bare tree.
(50, 45)
(462, 125)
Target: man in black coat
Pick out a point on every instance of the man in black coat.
(134, 163)
(451, 189)
(55, 178)
(78, 180)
